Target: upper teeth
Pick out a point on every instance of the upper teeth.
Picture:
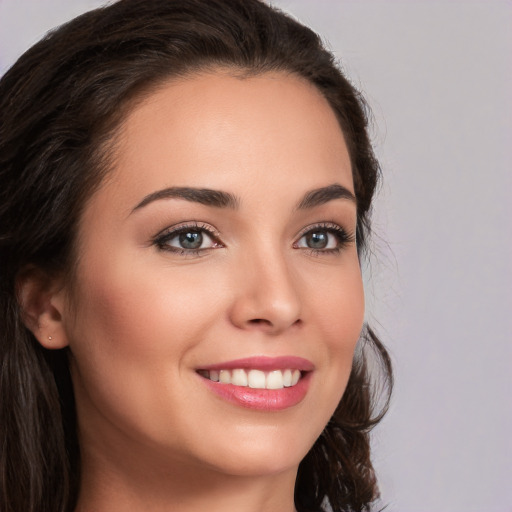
(257, 379)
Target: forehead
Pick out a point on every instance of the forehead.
(222, 131)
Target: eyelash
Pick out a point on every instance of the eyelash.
(342, 236)
(163, 238)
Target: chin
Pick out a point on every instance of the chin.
(262, 453)
(261, 465)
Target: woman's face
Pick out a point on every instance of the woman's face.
(221, 246)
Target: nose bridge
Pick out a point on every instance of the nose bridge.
(268, 295)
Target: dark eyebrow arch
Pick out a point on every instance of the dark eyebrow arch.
(323, 195)
(205, 196)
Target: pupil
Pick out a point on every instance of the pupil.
(317, 240)
(191, 240)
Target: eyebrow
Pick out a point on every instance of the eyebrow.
(323, 195)
(220, 199)
(205, 196)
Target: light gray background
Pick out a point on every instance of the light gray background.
(438, 75)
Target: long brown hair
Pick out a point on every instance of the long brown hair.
(60, 105)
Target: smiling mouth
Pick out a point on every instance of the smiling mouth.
(255, 379)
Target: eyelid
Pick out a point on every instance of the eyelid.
(327, 226)
(172, 231)
(344, 236)
(192, 225)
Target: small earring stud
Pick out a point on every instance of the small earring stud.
(50, 338)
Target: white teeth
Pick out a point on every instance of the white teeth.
(239, 378)
(275, 380)
(256, 379)
(225, 377)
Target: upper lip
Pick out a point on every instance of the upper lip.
(264, 363)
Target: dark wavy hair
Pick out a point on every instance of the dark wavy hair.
(60, 106)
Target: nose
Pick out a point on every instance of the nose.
(266, 295)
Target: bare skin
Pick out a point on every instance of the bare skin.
(149, 310)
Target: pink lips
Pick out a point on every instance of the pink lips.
(263, 399)
(264, 363)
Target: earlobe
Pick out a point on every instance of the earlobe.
(41, 301)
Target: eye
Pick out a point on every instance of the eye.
(324, 238)
(318, 240)
(187, 239)
(190, 240)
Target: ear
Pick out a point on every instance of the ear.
(42, 301)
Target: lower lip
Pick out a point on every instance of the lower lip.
(261, 399)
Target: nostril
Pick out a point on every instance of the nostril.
(259, 321)
(268, 324)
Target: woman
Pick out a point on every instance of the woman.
(185, 196)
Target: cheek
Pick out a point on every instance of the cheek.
(132, 321)
(338, 306)
(135, 331)
(339, 314)
(138, 311)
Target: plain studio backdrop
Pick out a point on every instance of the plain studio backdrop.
(438, 76)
